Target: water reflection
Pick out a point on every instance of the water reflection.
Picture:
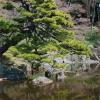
(57, 91)
(70, 89)
(81, 88)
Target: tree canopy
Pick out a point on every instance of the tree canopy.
(39, 22)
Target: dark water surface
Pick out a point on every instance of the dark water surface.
(70, 89)
(83, 87)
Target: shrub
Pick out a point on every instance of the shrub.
(29, 56)
(93, 36)
(8, 6)
(47, 60)
(13, 50)
(49, 47)
(8, 55)
(59, 65)
(77, 47)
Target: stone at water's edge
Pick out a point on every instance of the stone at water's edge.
(2, 79)
(47, 67)
(42, 81)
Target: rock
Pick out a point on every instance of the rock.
(61, 76)
(58, 60)
(47, 67)
(42, 81)
(2, 79)
(14, 74)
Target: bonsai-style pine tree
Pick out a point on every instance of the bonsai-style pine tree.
(39, 21)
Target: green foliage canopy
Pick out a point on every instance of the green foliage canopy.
(39, 22)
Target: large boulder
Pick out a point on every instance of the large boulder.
(14, 74)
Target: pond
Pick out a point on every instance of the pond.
(83, 87)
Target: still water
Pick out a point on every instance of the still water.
(83, 87)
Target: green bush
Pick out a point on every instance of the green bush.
(8, 6)
(93, 36)
(47, 60)
(8, 55)
(29, 56)
(24, 48)
(77, 47)
(59, 65)
(49, 47)
(13, 50)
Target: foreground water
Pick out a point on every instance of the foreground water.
(83, 87)
(87, 88)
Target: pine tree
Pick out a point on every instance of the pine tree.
(39, 21)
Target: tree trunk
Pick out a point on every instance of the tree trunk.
(36, 51)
